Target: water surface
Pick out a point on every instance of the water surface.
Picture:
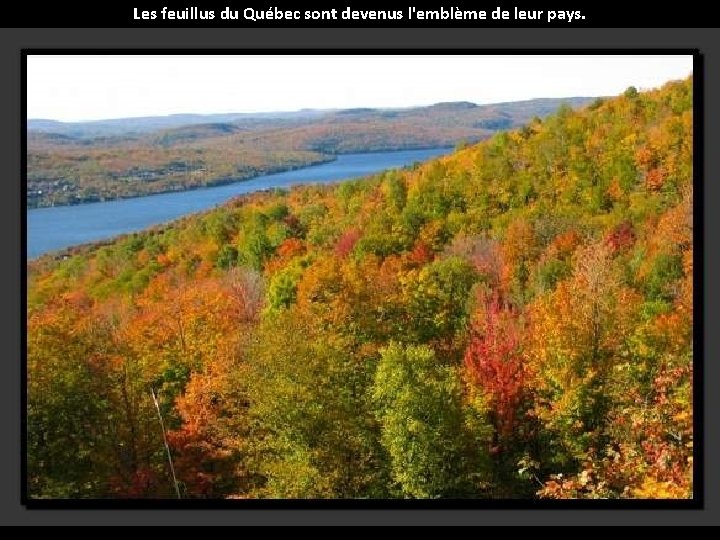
(50, 229)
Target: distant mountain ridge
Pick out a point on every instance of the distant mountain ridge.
(144, 124)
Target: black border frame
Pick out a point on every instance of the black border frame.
(696, 503)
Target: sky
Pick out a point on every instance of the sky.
(93, 87)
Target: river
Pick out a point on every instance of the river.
(50, 229)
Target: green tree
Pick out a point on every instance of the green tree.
(424, 429)
(436, 297)
(315, 434)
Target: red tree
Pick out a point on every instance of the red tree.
(621, 237)
(493, 362)
(347, 242)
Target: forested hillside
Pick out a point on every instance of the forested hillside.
(513, 320)
(92, 161)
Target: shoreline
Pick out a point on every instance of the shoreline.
(224, 181)
(61, 251)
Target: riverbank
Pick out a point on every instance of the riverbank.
(221, 181)
(215, 182)
(54, 228)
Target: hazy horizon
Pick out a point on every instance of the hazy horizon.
(86, 88)
(305, 109)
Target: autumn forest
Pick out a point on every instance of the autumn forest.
(511, 321)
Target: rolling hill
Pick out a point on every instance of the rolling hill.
(86, 162)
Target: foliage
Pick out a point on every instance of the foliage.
(512, 320)
(423, 431)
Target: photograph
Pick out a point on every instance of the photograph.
(444, 278)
